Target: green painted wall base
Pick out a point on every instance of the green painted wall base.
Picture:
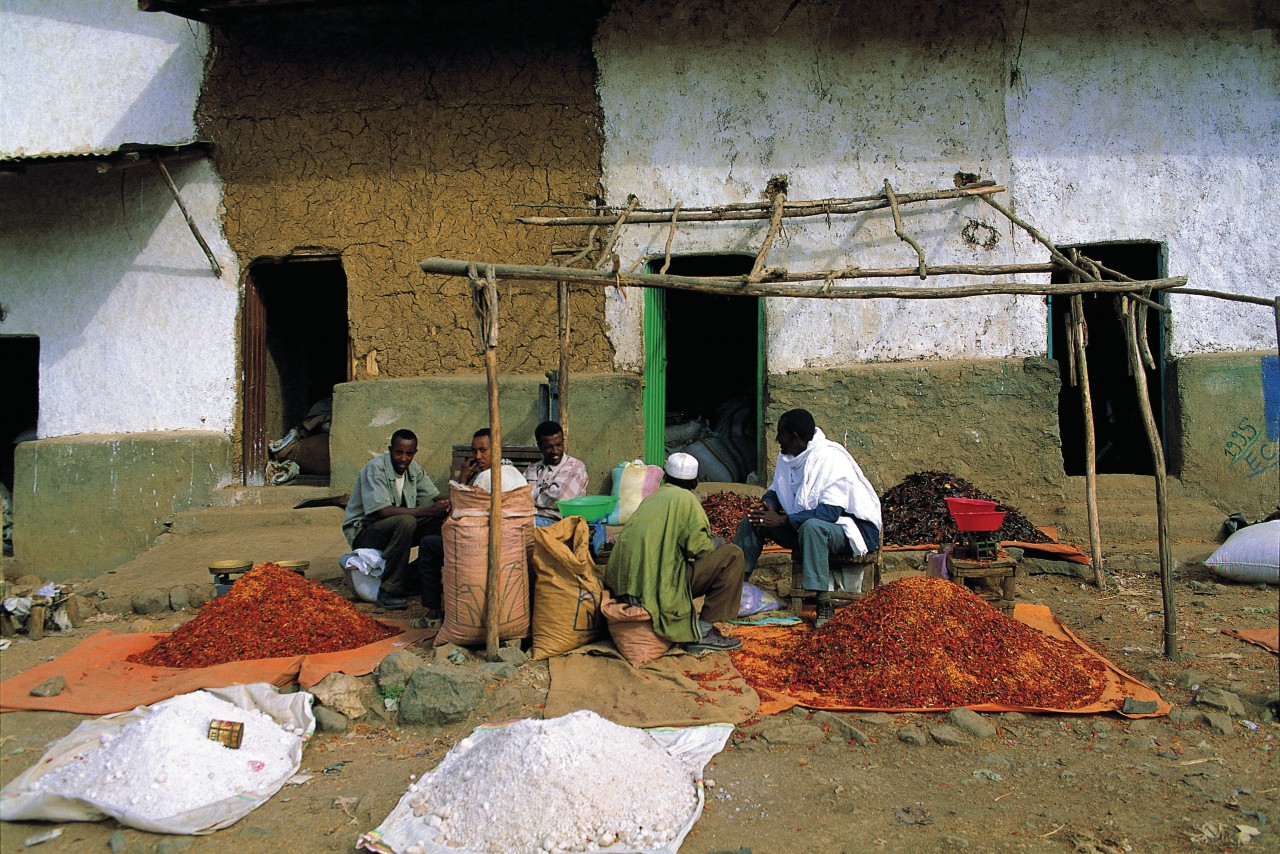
(1218, 436)
(85, 504)
(993, 422)
(605, 421)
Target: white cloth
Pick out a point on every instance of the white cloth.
(826, 473)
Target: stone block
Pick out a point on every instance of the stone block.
(393, 672)
(328, 720)
(343, 693)
(440, 694)
(947, 736)
(153, 601)
(179, 598)
(971, 722)
(1216, 698)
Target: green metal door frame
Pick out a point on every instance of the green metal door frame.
(653, 396)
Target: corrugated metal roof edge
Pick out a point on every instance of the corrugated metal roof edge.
(128, 151)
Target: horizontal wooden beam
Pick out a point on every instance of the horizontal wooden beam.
(826, 289)
(755, 210)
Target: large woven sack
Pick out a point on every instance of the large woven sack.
(631, 627)
(466, 565)
(566, 588)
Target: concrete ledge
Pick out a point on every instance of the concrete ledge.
(605, 427)
(993, 422)
(85, 504)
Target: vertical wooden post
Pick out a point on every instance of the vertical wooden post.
(1157, 460)
(563, 305)
(1079, 342)
(484, 293)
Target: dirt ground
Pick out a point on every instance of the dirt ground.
(1052, 783)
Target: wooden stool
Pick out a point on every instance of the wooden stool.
(1003, 569)
(872, 562)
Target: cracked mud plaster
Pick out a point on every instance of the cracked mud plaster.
(387, 137)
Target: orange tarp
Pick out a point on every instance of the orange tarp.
(1056, 550)
(1266, 638)
(1119, 685)
(100, 680)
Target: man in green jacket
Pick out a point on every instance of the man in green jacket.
(393, 507)
(665, 557)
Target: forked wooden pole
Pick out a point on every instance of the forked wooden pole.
(1080, 341)
(1157, 462)
(563, 305)
(484, 294)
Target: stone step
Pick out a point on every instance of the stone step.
(243, 507)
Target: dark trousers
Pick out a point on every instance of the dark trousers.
(718, 576)
(430, 564)
(394, 536)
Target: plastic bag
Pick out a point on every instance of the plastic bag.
(363, 569)
(19, 801)
(757, 601)
(1251, 554)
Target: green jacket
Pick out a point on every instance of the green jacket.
(376, 488)
(650, 559)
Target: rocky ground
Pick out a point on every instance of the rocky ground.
(1203, 778)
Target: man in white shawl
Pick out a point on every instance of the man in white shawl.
(819, 505)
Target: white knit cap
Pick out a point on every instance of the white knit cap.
(682, 466)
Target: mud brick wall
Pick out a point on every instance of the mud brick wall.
(389, 133)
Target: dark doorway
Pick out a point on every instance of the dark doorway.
(713, 368)
(20, 355)
(1121, 438)
(296, 349)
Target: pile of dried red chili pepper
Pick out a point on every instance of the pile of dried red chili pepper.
(269, 612)
(915, 512)
(725, 510)
(922, 643)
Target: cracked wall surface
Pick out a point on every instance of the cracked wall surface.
(391, 140)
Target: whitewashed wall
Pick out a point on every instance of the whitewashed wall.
(1137, 124)
(136, 331)
(83, 76)
(704, 104)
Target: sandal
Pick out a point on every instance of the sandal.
(427, 622)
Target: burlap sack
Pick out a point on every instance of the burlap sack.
(631, 627)
(466, 565)
(566, 588)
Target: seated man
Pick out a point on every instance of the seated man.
(665, 557)
(557, 477)
(819, 504)
(393, 506)
(481, 445)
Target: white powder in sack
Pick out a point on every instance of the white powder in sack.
(165, 764)
(574, 783)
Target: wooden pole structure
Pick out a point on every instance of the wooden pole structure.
(1080, 341)
(787, 284)
(1136, 366)
(562, 292)
(191, 223)
(484, 295)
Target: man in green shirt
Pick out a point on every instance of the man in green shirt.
(665, 557)
(393, 507)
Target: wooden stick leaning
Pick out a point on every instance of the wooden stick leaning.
(1084, 273)
(484, 295)
(191, 223)
(671, 238)
(775, 225)
(612, 238)
(899, 230)
(764, 210)
(1157, 463)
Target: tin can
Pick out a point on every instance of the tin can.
(228, 733)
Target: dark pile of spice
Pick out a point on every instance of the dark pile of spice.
(725, 510)
(270, 612)
(915, 512)
(923, 643)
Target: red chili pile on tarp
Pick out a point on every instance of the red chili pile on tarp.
(926, 642)
(270, 612)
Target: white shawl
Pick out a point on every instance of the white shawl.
(826, 473)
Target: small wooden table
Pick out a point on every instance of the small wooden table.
(872, 563)
(1005, 569)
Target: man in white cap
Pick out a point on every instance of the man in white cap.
(665, 557)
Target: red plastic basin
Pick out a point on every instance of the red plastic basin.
(969, 505)
(989, 520)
